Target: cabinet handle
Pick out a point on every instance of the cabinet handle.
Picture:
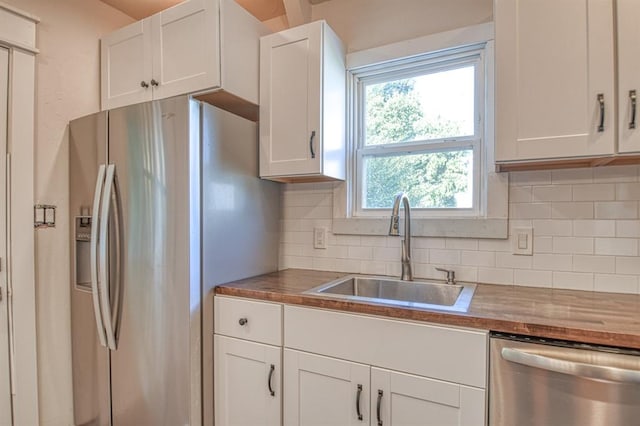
(154, 83)
(271, 370)
(632, 98)
(243, 321)
(601, 102)
(144, 84)
(379, 407)
(358, 403)
(313, 135)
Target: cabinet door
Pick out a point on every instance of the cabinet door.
(324, 391)
(126, 65)
(554, 71)
(399, 399)
(186, 48)
(245, 374)
(628, 75)
(290, 102)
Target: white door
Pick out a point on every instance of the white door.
(186, 50)
(125, 58)
(290, 66)
(400, 399)
(554, 79)
(5, 377)
(322, 391)
(247, 378)
(628, 75)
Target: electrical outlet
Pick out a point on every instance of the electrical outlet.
(523, 241)
(320, 238)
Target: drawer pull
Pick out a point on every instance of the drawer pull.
(358, 403)
(243, 321)
(313, 135)
(379, 407)
(271, 370)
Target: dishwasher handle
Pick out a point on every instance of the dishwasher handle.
(588, 371)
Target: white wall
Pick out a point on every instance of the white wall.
(362, 24)
(586, 235)
(67, 86)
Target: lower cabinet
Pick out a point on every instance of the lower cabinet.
(326, 391)
(319, 390)
(248, 387)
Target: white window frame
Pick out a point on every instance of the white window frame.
(491, 218)
(406, 68)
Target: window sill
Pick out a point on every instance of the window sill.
(454, 228)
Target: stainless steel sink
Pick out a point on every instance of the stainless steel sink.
(414, 294)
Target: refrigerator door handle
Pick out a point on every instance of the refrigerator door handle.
(95, 222)
(104, 272)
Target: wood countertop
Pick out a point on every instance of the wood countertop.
(589, 317)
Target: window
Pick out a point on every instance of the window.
(418, 127)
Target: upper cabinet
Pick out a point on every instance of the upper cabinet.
(194, 46)
(555, 93)
(628, 75)
(302, 105)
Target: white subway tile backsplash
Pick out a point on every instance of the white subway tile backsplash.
(553, 262)
(553, 227)
(533, 278)
(594, 228)
(586, 235)
(573, 280)
(572, 210)
(601, 264)
(616, 246)
(573, 245)
(594, 192)
(616, 210)
(552, 193)
(616, 283)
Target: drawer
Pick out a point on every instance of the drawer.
(444, 353)
(248, 319)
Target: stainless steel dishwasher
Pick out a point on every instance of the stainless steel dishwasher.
(545, 382)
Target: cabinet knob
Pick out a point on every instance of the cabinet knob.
(144, 84)
(243, 321)
(154, 83)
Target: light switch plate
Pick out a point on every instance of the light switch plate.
(320, 238)
(523, 241)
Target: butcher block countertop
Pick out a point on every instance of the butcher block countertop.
(589, 317)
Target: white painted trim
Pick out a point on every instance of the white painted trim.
(453, 228)
(19, 12)
(22, 242)
(474, 34)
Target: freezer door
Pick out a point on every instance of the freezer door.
(90, 360)
(155, 368)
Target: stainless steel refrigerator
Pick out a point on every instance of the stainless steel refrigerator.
(165, 204)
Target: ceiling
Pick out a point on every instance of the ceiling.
(138, 9)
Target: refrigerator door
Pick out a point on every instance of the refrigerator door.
(155, 370)
(90, 360)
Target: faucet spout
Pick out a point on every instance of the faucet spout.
(407, 270)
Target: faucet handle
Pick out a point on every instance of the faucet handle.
(451, 275)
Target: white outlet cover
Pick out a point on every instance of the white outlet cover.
(320, 238)
(523, 241)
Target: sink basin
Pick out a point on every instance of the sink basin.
(414, 294)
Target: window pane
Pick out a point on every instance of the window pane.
(430, 106)
(430, 179)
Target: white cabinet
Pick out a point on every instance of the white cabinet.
(628, 75)
(302, 104)
(194, 46)
(247, 372)
(247, 382)
(400, 399)
(555, 94)
(324, 391)
(409, 373)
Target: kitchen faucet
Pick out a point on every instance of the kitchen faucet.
(407, 273)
